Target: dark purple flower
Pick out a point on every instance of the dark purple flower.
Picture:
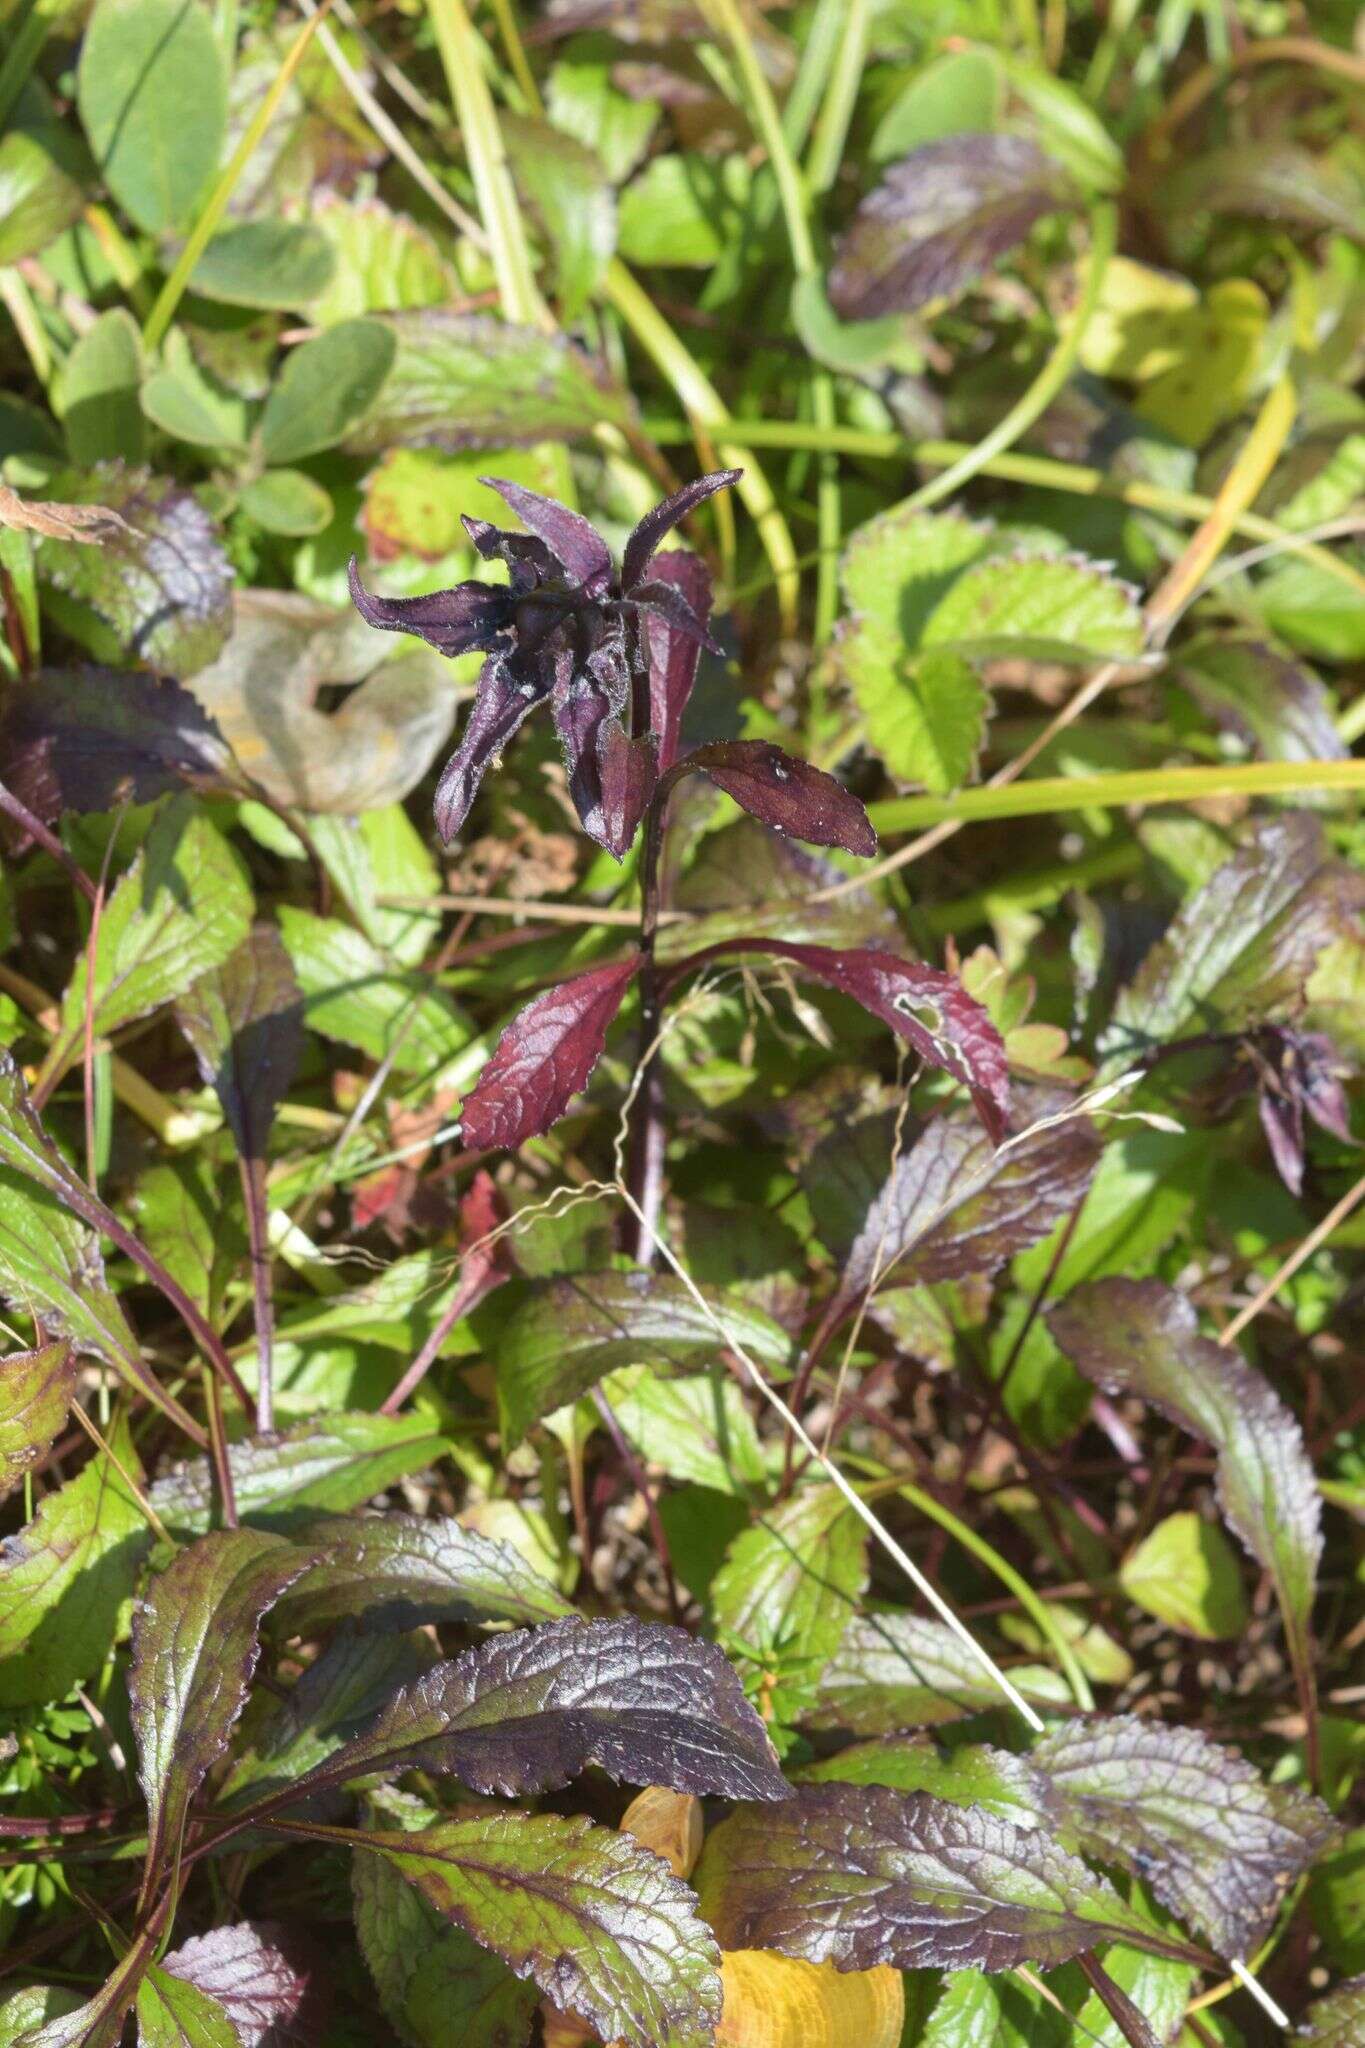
(570, 629)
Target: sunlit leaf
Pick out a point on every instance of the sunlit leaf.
(36, 1388)
(544, 1058)
(323, 1465)
(400, 1572)
(1185, 1572)
(894, 1671)
(174, 2014)
(152, 92)
(267, 1978)
(787, 1591)
(789, 795)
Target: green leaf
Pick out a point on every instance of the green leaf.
(564, 1335)
(66, 1579)
(40, 196)
(786, 1593)
(274, 264)
(1337, 2020)
(1139, 1337)
(244, 1025)
(695, 1429)
(267, 1980)
(325, 387)
(288, 502)
(177, 912)
(152, 93)
(895, 1671)
(322, 1466)
(1037, 608)
(98, 393)
(1216, 1844)
(398, 1571)
(684, 210)
(925, 715)
(383, 854)
(189, 405)
(184, 1220)
(568, 194)
(158, 590)
(955, 94)
(384, 262)
(337, 1696)
(1186, 1574)
(460, 380)
(1066, 125)
(585, 103)
(98, 2023)
(974, 1775)
(25, 2010)
(353, 995)
(1274, 705)
(195, 1645)
(1312, 610)
(174, 2014)
(1336, 1894)
(36, 1390)
(612, 1936)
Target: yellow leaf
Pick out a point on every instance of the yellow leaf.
(773, 2001)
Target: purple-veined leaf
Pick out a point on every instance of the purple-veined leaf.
(661, 520)
(244, 1023)
(897, 1670)
(404, 1571)
(572, 539)
(86, 739)
(36, 1389)
(1215, 1842)
(528, 1711)
(1338, 2020)
(860, 1875)
(788, 795)
(673, 656)
(564, 1335)
(501, 705)
(543, 1059)
(195, 1644)
(940, 217)
(323, 1465)
(929, 1009)
(269, 1979)
(1140, 1337)
(599, 1924)
(174, 2014)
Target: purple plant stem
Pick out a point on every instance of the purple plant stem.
(47, 839)
(646, 1167)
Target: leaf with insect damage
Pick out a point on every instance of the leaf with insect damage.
(860, 1875)
(544, 1058)
(788, 795)
(87, 739)
(405, 1571)
(195, 1644)
(1140, 1337)
(1195, 1821)
(36, 1388)
(268, 1978)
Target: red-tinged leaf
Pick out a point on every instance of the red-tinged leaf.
(673, 656)
(36, 1389)
(244, 1022)
(501, 705)
(928, 1008)
(789, 795)
(270, 1980)
(629, 772)
(1140, 1337)
(86, 739)
(664, 517)
(601, 1925)
(860, 1875)
(195, 1644)
(544, 1058)
(528, 1711)
(940, 217)
(1215, 1842)
(572, 539)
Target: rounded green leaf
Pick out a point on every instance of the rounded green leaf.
(273, 264)
(288, 502)
(1186, 1573)
(325, 388)
(99, 398)
(152, 93)
(39, 197)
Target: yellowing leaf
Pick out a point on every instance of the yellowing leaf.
(774, 2001)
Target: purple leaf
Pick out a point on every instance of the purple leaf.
(923, 1005)
(85, 739)
(663, 600)
(1298, 1071)
(502, 702)
(630, 774)
(472, 615)
(195, 1645)
(673, 656)
(789, 795)
(36, 1390)
(860, 1875)
(940, 217)
(528, 1711)
(543, 1059)
(529, 561)
(244, 1022)
(663, 518)
(270, 1980)
(404, 1571)
(575, 543)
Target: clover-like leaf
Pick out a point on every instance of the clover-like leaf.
(1195, 1821)
(195, 1645)
(860, 1875)
(86, 739)
(940, 217)
(544, 1058)
(1140, 1337)
(267, 1977)
(598, 1923)
(323, 1465)
(403, 1571)
(789, 795)
(36, 1389)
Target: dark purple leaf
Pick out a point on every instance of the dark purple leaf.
(244, 1022)
(1140, 1337)
(1270, 701)
(528, 1711)
(575, 543)
(271, 1981)
(601, 1925)
(503, 700)
(663, 518)
(629, 773)
(673, 656)
(528, 560)
(404, 1571)
(663, 600)
(1215, 1842)
(195, 1644)
(940, 217)
(923, 1005)
(859, 1875)
(472, 615)
(789, 795)
(543, 1059)
(36, 1391)
(1297, 1071)
(87, 739)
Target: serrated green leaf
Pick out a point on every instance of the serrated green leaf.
(384, 262)
(1038, 608)
(786, 1593)
(974, 1775)
(152, 92)
(1186, 1573)
(925, 714)
(351, 993)
(174, 2014)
